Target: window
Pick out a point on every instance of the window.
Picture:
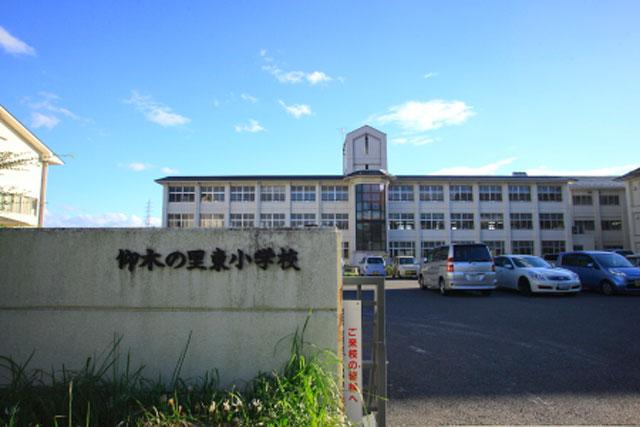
(491, 193)
(550, 193)
(551, 221)
(401, 221)
(431, 193)
(429, 245)
(432, 221)
(578, 247)
(303, 193)
(519, 193)
(18, 203)
(245, 220)
(401, 193)
(303, 220)
(339, 220)
(272, 193)
(398, 248)
(521, 221)
(243, 193)
(551, 247)
(582, 200)
(182, 193)
(180, 220)
(462, 221)
(209, 193)
(609, 200)
(272, 220)
(345, 250)
(461, 193)
(611, 224)
(371, 232)
(211, 220)
(581, 226)
(522, 247)
(495, 246)
(335, 193)
(491, 221)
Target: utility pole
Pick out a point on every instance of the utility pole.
(147, 219)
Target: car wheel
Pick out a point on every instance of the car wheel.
(443, 291)
(607, 288)
(524, 286)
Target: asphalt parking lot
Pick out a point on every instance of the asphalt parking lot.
(511, 359)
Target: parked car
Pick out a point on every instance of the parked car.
(372, 266)
(528, 274)
(634, 260)
(459, 267)
(404, 266)
(551, 259)
(623, 252)
(607, 272)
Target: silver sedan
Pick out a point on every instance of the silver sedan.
(529, 274)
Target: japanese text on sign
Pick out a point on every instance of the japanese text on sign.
(217, 260)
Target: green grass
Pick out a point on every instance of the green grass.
(110, 392)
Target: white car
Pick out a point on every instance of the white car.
(529, 274)
(405, 266)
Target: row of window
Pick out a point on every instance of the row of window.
(268, 193)
(464, 193)
(587, 226)
(466, 221)
(267, 220)
(604, 199)
(18, 203)
(497, 247)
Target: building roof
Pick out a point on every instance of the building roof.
(633, 174)
(250, 178)
(484, 178)
(47, 155)
(597, 182)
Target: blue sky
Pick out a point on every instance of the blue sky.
(130, 92)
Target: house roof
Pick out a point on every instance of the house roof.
(634, 173)
(47, 155)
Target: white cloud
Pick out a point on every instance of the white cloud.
(295, 76)
(13, 45)
(316, 77)
(39, 120)
(413, 140)
(109, 219)
(429, 75)
(169, 170)
(139, 167)
(606, 171)
(216, 103)
(249, 98)
(488, 169)
(296, 110)
(156, 112)
(252, 127)
(421, 116)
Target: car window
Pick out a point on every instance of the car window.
(570, 260)
(471, 253)
(500, 261)
(405, 261)
(530, 261)
(375, 260)
(582, 260)
(612, 260)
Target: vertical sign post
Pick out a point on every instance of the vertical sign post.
(353, 360)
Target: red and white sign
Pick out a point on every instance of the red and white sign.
(352, 357)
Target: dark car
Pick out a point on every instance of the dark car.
(607, 272)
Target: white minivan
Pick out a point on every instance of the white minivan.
(459, 267)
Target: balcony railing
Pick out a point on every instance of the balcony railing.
(18, 203)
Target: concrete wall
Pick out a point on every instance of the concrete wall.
(64, 295)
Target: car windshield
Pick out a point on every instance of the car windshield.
(375, 261)
(405, 261)
(612, 261)
(530, 261)
(471, 253)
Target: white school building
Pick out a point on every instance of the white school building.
(379, 212)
